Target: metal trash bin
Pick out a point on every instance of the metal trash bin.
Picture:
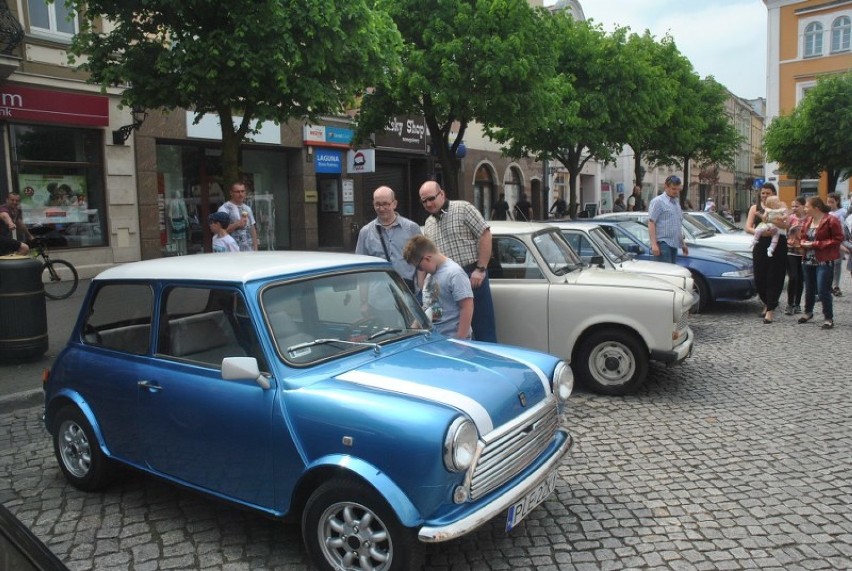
(23, 310)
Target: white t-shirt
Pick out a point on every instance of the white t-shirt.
(225, 243)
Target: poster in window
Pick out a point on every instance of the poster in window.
(53, 199)
(328, 195)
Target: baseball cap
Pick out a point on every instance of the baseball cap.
(221, 218)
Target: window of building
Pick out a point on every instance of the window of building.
(813, 39)
(54, 18)
(59, 173)
(841, 30)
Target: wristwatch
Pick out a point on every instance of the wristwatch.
(480, 268)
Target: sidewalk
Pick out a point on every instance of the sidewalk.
(20, 383)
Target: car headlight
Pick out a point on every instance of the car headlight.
(738, 274)
(563, 382)
(460, 445)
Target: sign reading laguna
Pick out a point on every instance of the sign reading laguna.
(361, 161)
(327, 161)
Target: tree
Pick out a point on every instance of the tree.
(604, 91)
(461, 61)
(817, 135)
(259, 59)
(698, 130)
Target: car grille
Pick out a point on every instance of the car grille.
(683, 322)
(506, 451)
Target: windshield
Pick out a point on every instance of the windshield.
(722, 222)
(696, 228)
(639, 231)
(556, 252)
(610, 247)
(325, 317)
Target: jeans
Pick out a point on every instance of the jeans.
(838, 269)
(818, 284)
(483, 324)
(667, 253)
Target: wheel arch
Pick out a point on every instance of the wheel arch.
(75, 399)
(578, 342)
(338, 465)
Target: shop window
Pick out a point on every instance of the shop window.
(54, 19)
(59, 173)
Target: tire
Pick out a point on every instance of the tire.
(65, 285)
(703, 291)
(612, 362)
(78, 453)
(335, 537)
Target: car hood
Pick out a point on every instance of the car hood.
(655, 268)
(607, 278)
(711, 254)
(483, 380)
(732, 242)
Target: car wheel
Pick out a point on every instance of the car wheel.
(703, 291)
(612, 362)
(78, 453)
(347, 525)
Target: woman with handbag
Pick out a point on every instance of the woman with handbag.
(821, 238)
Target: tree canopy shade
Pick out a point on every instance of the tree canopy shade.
(461, 61)
(605, 91)
(262, 60)
(817, 135)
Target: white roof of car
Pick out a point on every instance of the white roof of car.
(506, 227)
(234, 267)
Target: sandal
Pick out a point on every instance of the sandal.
(806, 317)
(829, 324)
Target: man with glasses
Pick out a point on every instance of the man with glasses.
(460, 232)
(664, 222)
(386, 236)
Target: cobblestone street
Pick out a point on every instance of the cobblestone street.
(737, 459)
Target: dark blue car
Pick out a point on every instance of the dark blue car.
(719, 275)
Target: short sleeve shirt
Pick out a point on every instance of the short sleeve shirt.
(241, 235)
(442, 292)
(457, 231)
(396, 236)
(665, 212)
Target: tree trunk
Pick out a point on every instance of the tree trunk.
(638, 169)
(684, 193)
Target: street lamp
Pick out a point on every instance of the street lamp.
(120, 135)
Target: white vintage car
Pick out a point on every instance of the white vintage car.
(609, 324)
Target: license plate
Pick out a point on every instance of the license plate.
(520, 509)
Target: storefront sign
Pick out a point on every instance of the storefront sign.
(322, 136)
(311, 196)
(361, 161)
(327, 161)
(404, 132)
(209, 127)
(19, 103)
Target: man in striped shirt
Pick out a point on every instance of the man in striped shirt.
(664, 222)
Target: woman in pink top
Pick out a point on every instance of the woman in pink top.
(795, 277)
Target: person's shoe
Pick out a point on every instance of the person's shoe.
(829, 324)
(806, 317)
(797, 309)
(788, 310)
(767, 319)
(837, 293)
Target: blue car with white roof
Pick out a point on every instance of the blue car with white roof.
(306, 386)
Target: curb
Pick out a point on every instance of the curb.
(25, 399)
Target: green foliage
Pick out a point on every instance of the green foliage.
(461, 61)
(261, 59)
(817, 135)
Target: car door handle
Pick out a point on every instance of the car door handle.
(150, 385)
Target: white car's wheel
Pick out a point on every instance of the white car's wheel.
(611, 361)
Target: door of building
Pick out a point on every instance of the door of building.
(329, 216)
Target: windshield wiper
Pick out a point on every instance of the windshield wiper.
(384, 331)
(294, 348)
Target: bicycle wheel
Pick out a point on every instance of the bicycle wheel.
(59, 278)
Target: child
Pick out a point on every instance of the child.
(222, 241)
(447, 295)
(774, 210)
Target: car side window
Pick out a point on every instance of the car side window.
(120, 318)
(205, 325)
(516, 262)
(582, 246)
(619, 237)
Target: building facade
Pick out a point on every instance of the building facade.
(806, 39)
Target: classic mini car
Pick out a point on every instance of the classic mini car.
(719, 275)
(306, 385)
(609, 324)
(695, 232)
(596, 247)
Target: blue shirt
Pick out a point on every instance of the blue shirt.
(396, 237)
(665, 212)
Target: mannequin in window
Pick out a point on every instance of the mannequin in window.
(178, 223)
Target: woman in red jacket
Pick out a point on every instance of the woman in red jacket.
(821, 238)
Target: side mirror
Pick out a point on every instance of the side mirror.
(597, 261)
(634, 249)
(242, 368)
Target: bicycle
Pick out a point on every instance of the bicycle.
(59, 277)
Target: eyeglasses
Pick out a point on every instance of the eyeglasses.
(673, 181)
(429, 199)
(382, 204)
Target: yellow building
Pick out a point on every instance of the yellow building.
(806, 39)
